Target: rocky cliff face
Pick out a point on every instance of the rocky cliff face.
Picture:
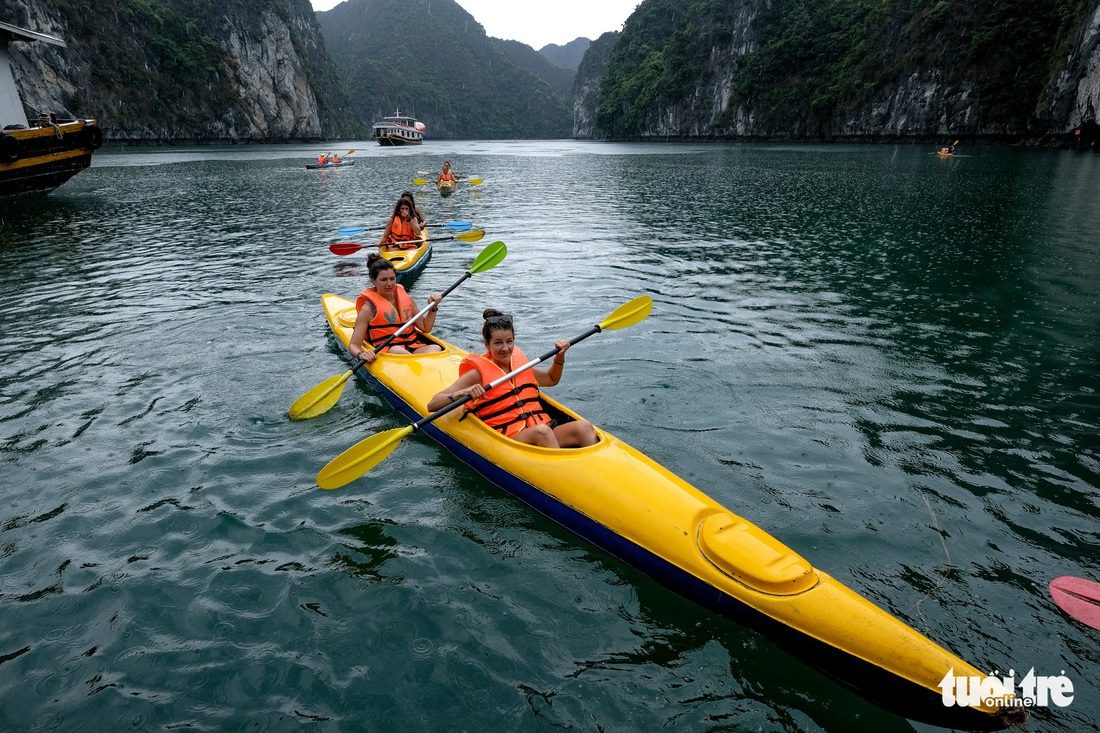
(1074, 96)
(906, 100)
(586, 85)
(183, 70)
(46, 75)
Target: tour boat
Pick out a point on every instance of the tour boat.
(398, 129)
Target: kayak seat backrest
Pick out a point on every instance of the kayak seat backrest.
(752, 557)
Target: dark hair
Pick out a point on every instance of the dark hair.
(376, 263)
(488, 328)
(408, 195)
(404, 202)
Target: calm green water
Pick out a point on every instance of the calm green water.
(888, 360)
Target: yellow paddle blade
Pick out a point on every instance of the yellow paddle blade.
(320, 399)
(628, 314)
(475, 181)
(420, 181)
(474, 236)
(360, 458)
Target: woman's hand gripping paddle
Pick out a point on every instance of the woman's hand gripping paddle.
(366, 454)
(321, 398)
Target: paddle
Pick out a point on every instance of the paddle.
(458, 226)
(368, 453)
(350, 248)
(345, 154)
(474, 181)
(321, 398)
(1078, 597)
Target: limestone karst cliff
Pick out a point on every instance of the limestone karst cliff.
(847, 70)
(183, 70)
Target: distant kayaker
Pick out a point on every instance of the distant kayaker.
(513, 408)
(402, 226)
(446, 175)
(321, 159)
(420, 218)
(383, 309)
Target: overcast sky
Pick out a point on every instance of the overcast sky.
(539, 22)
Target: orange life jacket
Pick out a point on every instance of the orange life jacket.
(509, 407)
(402, 231)
(387, 319)
(321, 159)
(446, 175)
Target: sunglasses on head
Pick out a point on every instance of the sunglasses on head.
(504, 319)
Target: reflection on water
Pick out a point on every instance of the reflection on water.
(886, 359)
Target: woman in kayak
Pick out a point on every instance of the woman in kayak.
(383, 309)
(402, 226)
(513, 408)
(420, 218)
(446, 175)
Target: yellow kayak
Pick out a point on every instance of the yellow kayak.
(622, 501)
(408, 263)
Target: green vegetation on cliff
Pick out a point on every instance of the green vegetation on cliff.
(814, 61)
(169, 70)
(152, 56)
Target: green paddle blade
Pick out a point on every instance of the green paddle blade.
(628, 314)
(360, 458)
(320, 399)
(474, 236)
(489, 258)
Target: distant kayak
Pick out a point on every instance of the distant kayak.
(330, 165)
(446, 188)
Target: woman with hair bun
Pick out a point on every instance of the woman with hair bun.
(513, 408)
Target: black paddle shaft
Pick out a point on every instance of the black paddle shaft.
(496, 382)
(392, 336)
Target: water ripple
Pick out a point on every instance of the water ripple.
(866, 352)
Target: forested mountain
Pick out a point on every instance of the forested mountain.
(431, 59)
(828, 69)
(182, 70)
(524, 57)
(241, 70)
(568, 56)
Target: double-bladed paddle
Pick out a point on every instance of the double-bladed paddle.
(345, 154)
(350, 248)
(458, 226)
(368, 453)
(471, 181)
(321, 398)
